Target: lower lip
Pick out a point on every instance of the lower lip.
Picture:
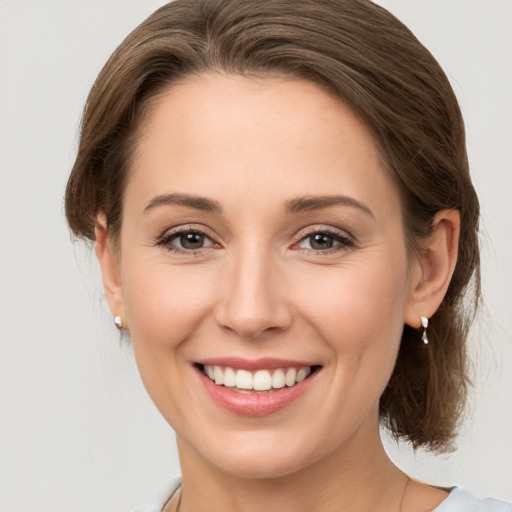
(254, 404)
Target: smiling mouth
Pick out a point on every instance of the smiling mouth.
(257, 382)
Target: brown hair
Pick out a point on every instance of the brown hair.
(370, 60)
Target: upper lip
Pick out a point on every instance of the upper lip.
(264, 363)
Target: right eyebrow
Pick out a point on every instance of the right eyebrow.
(197, 202)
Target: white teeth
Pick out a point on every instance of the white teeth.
(261, 380)
(243, 379)
(229, 378)
(278, 379)
(218, 375)
(291, 375)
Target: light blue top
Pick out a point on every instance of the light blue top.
(459, 500)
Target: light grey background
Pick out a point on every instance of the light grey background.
(77, 431)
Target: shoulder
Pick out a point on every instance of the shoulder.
(461, 500)
(158, 501)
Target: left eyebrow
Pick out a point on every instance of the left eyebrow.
(310, 203)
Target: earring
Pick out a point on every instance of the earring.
(118, 322)
(424, 324)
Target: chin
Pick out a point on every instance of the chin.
(259, 456)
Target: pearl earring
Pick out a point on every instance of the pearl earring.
(424, 324)
(118, 322)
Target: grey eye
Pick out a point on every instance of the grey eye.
(191, 240)
(321, 241)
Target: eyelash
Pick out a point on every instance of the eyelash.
(345, 242)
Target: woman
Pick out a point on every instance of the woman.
(282, 211)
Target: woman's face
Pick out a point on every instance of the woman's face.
(261, 235)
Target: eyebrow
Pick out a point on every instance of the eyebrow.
(196, 202)
(296, 205)
(310, 203)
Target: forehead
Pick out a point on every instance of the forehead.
(241, 137)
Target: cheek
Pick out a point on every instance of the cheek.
(357, 305)
(165, 303)
(165, 307)
(359, 313)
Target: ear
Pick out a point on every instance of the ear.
(110, 269)
(433, 268)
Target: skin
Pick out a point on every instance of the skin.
(259, 287)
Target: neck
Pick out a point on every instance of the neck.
(357, 476)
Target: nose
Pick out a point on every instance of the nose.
(253, 296)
